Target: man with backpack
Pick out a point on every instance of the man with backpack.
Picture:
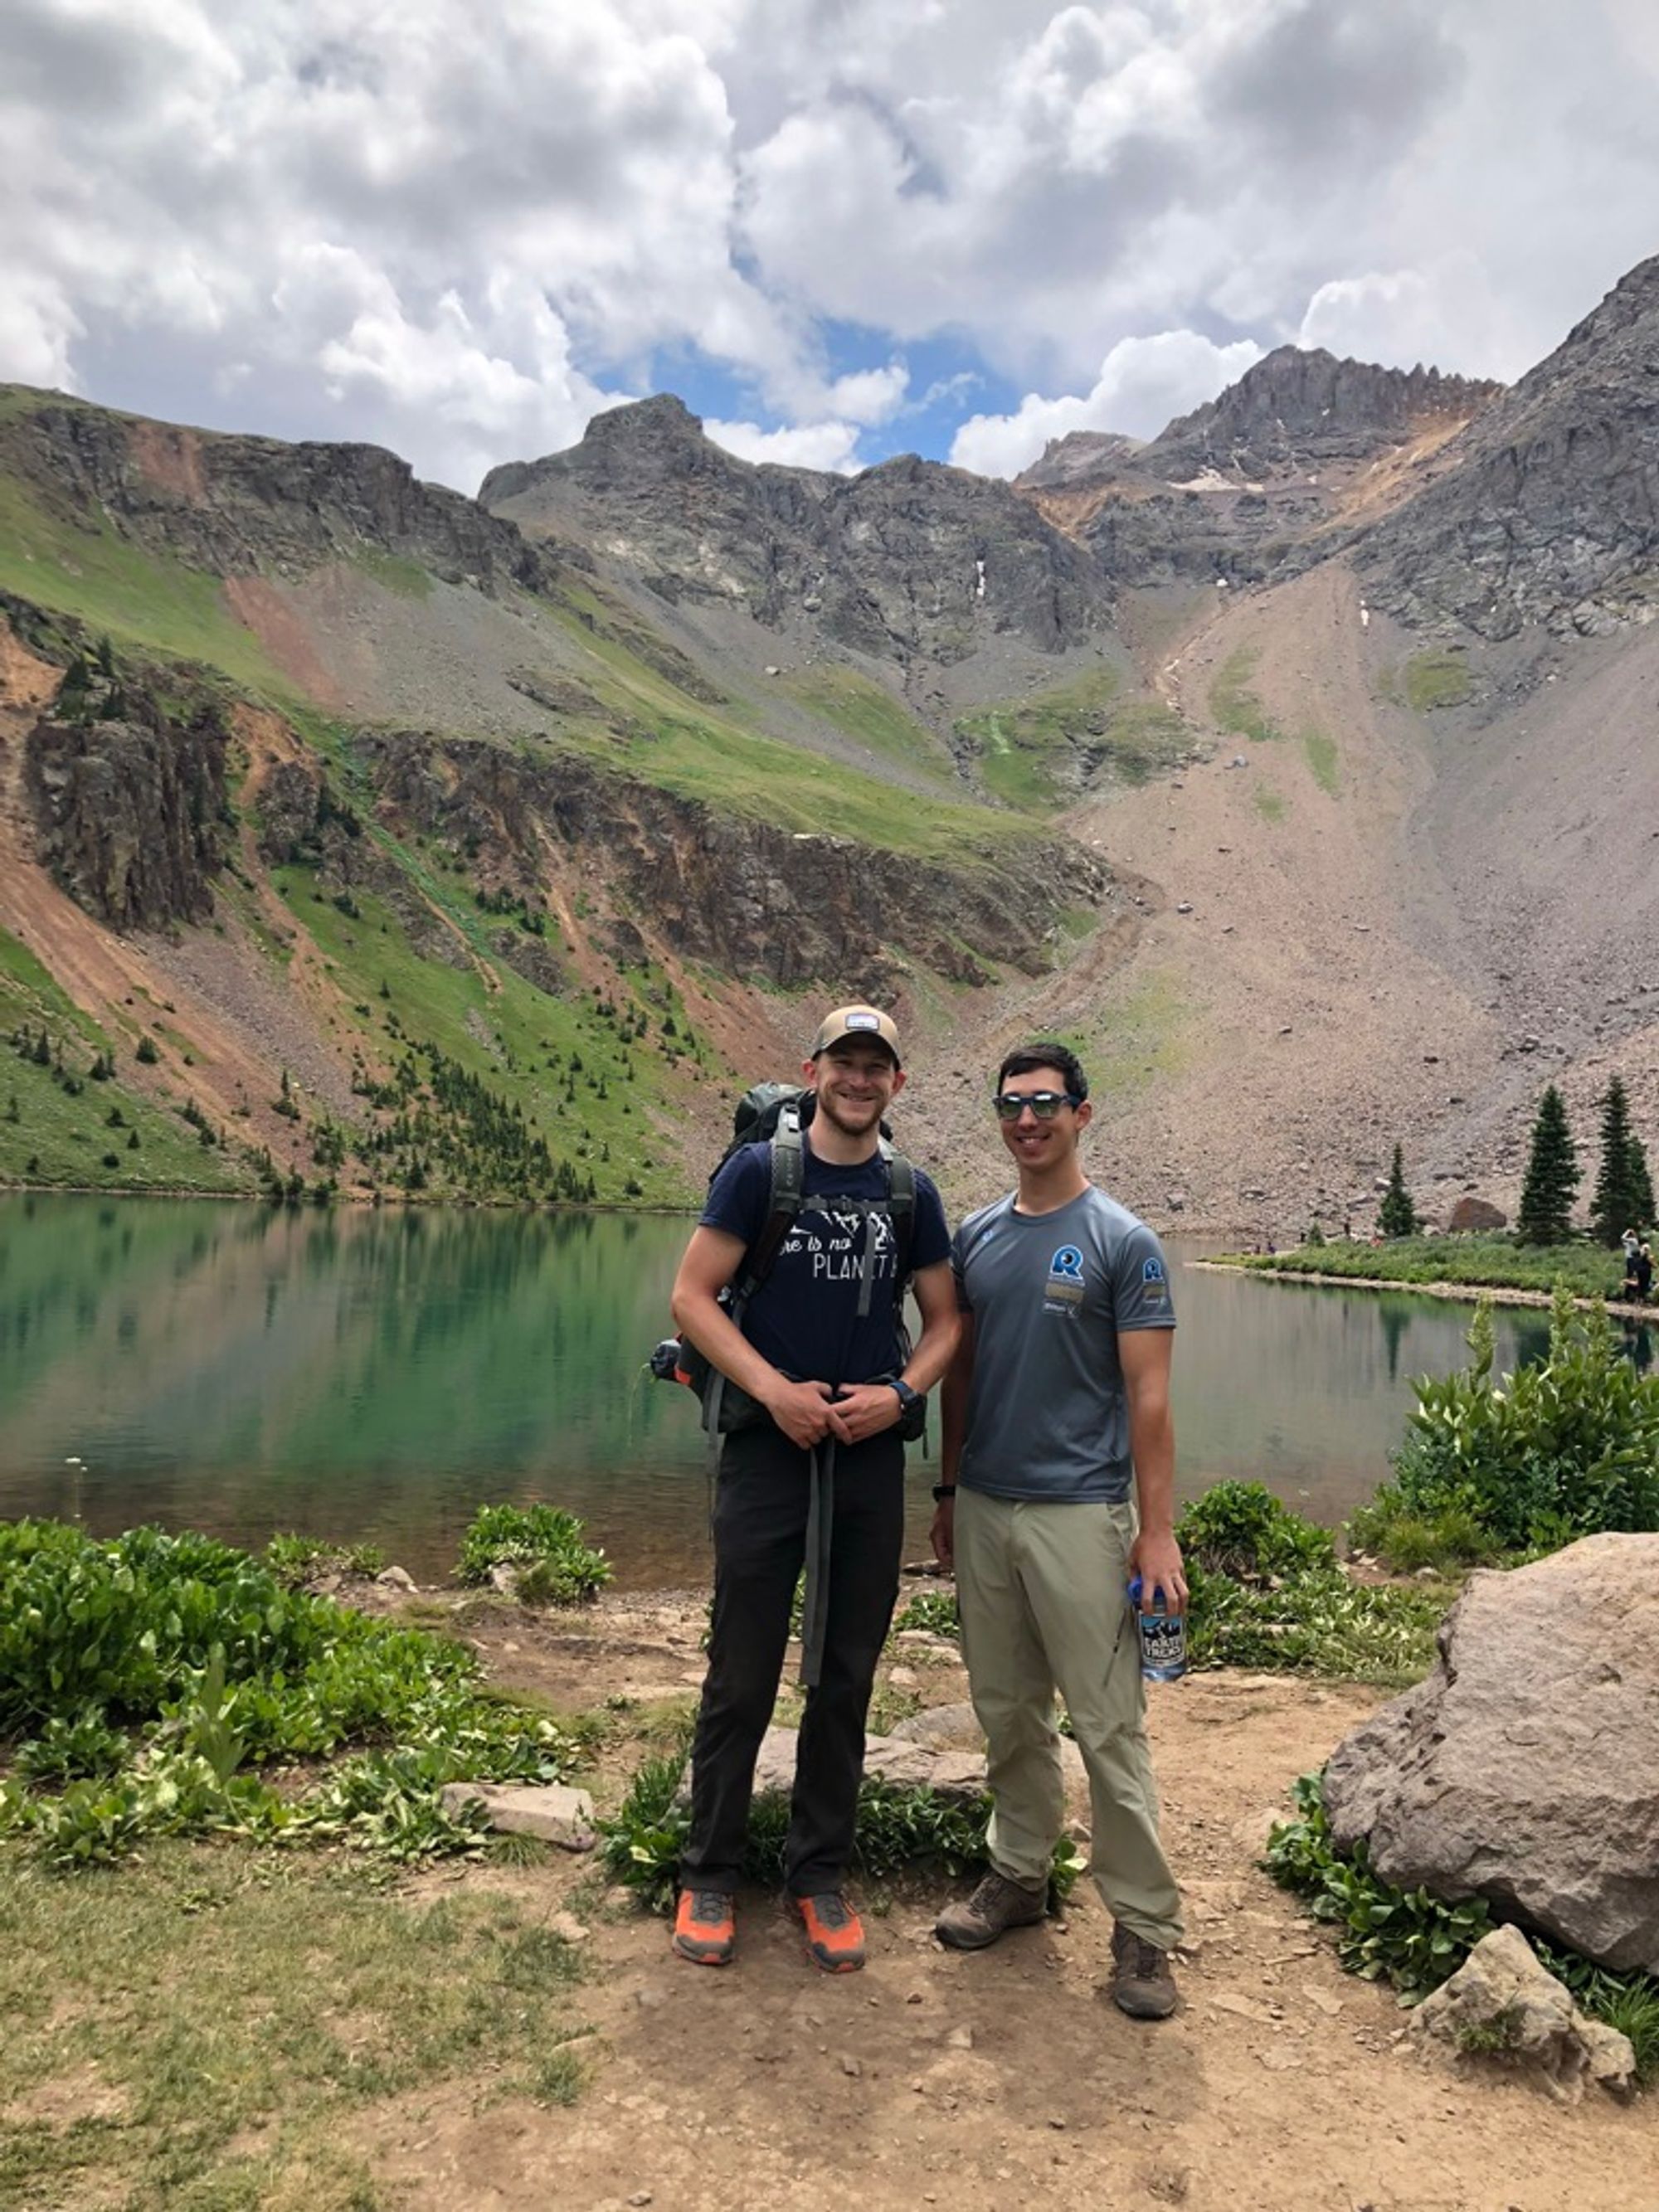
(812, 1392)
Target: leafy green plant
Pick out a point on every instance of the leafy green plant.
(158, 1674)
(540, 1536)
(1241, 1530)
(933, 1610)
(1267, 1590)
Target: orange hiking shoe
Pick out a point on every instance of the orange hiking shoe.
(835, 1934)
(705, 1927)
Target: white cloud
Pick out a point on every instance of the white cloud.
(459, 231)
(1143, 384)
(829, 445)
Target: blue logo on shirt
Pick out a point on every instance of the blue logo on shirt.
(1153, 1270)
(1067, 1264)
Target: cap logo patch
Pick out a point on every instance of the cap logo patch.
(863, 1021)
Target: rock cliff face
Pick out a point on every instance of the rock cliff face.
(241, 506)
(753, 900)
(131, 813)
(1261, 481)
(1552, 513)
(911, 558)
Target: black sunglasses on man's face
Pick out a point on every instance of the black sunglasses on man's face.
(1045, 1104)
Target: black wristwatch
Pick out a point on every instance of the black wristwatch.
(942, 1491)
(907, 1396)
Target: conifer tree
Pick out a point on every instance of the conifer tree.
(1397, 1216)
(1552, 1175)
(1624, 1194)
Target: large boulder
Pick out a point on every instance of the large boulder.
(1525, 1770)
(1475, 1214)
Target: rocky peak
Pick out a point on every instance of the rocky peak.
(1552, 514)
(1078, 457)
(910, 559)
(1297, 405)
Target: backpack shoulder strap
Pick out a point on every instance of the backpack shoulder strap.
(901, 1202)
(788, 1179)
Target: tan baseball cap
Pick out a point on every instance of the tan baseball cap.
(865, 1023)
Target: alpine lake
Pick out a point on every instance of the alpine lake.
(374, 1377)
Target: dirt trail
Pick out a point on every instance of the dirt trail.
(982, 2082)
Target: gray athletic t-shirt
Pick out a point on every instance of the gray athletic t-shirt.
(1049, 1293)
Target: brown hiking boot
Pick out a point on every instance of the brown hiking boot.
(996, 1905)
(1142, 1984)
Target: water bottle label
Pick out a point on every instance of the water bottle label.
(1163, 1645)
(1163, 1639)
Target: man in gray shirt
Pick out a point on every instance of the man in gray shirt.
(1056, 1421)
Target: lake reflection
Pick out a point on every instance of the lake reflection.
(377, 1375)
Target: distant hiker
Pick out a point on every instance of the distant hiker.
(1057, 1418)
(1641, 1270)
(812, 1472)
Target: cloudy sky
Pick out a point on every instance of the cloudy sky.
(839, 229)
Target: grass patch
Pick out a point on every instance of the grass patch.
(228, 2022)
(61, 1127)
(1270, 805)
(151, 600)
(395, 572)
(1320, 752)
(861, 709)
(1493, 1262)
(658, 731)
(1024, 746)
(1235, 706)
(1435, 679)
(594, 1078)
(1143, 1037)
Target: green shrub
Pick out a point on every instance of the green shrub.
(1241, 1530)
(1265, 1590)
(1415, 1940)
(297, 1560)
(541, 1536)
(1561, 1449)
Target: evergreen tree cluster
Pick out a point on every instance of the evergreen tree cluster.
(1623, 1197)
(446, 1124)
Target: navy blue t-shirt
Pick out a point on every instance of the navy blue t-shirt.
(805, 1317)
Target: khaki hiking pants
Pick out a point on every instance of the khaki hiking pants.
(1043, 1591)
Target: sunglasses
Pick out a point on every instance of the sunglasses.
(1045, 1104)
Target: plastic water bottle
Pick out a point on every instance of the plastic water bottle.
(1163, 1636)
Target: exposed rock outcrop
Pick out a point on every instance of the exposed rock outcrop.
(1260, 481)
(1525, 1770)
(131, 812)
(1551, 516)
(754, 899)
(910, 558)
(240, 506)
